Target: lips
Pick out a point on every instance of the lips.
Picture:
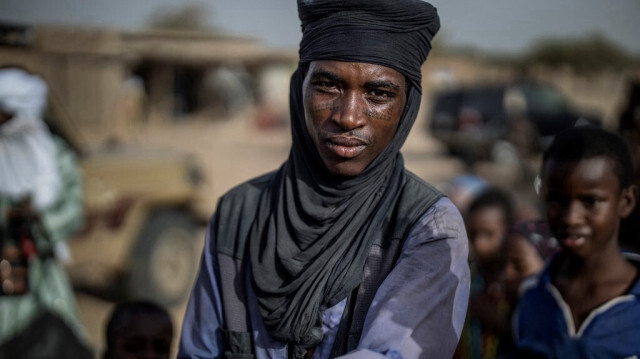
(573, 240)
(346, 147)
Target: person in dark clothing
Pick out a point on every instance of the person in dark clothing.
(138, 330)
(528, 246)
(629, 129)
(589, 292)
(488, 219)
(341, 251)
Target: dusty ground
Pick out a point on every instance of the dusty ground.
(233, 151)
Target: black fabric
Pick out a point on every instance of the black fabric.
(237, 345)
(396, 34)
(308, 232)
(47, 336)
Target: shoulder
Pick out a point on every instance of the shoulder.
(236, 211)
(64, 151)
(538, 284)
(442, 220)
(416, 185)
(247, 192)
(634, 259)
(415, 197)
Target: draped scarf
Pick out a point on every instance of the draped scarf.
(312, 231)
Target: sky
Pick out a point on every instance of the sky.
(493, 25)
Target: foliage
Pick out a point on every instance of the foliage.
(584, 55)
(191, 16)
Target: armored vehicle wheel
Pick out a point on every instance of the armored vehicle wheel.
(165, 259)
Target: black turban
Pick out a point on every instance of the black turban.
(313, 230)
(392, 33)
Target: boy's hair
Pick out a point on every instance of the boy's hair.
(585, 142)
(125, 311)
(494, 197)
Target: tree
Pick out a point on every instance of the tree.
(584, 55)
(186, 17)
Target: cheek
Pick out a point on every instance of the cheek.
(385, 115)
(310, 114)
(386, 123)
(317, 109)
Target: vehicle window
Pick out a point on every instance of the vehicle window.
(445, 111)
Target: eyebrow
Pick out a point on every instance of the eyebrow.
(320, 73)
(326, 74)
(382, 84)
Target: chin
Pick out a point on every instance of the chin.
(346, 170)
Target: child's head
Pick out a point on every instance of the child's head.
(527, 247)
(488, 218)
(138, 329)
(587, 189)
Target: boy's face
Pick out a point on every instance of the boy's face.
(144, 336)
(486, 228)
(585, 204)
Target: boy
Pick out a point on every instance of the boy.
(138, 329)
(585, 304)
(486, 332)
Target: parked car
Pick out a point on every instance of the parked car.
(472, 121)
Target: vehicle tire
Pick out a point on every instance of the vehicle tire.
(164, 261)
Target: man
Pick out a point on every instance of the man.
(40, 206)
(341, 251)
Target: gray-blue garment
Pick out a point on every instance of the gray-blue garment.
(418, 311)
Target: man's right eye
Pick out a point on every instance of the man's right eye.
(323, 84)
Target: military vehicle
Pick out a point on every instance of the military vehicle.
(143, 215)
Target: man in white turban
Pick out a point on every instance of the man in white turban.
(40, 206)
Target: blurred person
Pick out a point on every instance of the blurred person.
(138, 330)
(629, 128)
(341, 252)
(462, 189)
(40, 206)
(527, 247)
(590, 291)
(488, 219)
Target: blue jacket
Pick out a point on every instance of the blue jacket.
(544, 328)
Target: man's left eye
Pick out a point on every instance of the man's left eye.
(381, 93)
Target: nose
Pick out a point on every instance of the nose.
(350, 113)
(572, 213)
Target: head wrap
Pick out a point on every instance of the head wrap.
(313, 230)
(395, 34)
(537, 233)
(27, 151)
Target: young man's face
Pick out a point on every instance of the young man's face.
(585, 204)
(352, 111)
